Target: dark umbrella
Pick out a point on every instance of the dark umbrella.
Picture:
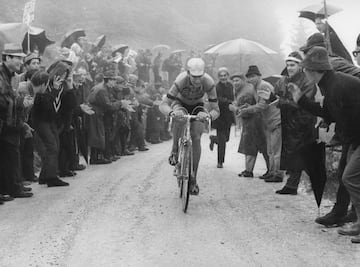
(315, 162)
(37, 41)
(119, 48)
(18, 33)
(324, 11)
(71, 37)
(99, 42)
(318, 10)
(273, 79)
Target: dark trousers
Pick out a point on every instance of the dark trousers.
(48, 134)
(137, 134)
(313, 157)
(109, 137)
(124, 134)
(109, 144)
(164, 130)
(10, 178)
(342, 195)
(27, 158)
(67, 151)
(221, 139)
(293, 180)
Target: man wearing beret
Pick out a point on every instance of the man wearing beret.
(341, 105)
(11, 123)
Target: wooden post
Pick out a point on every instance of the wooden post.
(28, 36)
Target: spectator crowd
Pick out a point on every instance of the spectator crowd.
(102, 103)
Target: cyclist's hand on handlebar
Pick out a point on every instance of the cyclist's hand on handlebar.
(177, 113)
(202, 116)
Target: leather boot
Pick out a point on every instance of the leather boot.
(333, 218)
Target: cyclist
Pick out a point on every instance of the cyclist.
(188, 93)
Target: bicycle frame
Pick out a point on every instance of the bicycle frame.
(185, 168)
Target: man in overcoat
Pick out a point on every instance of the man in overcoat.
(271, 119)
(298, 125)
(341, 105)
(252, 140)
(11, 123)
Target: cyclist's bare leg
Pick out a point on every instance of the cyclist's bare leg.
(177, 129)
(197, 128)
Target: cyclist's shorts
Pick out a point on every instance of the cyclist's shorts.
(191, 109)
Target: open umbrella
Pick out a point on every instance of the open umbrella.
(161, 47)
(239, 47)
(119, 48)
(313, 11)
(18, 33)
(239, 53)
(38, 40)
(323, 11)
(71, 37)
(273, 79)
(99, 42)
(178, 51)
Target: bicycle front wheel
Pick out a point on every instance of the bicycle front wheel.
(185, 181)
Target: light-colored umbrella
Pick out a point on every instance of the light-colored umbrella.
(178, 51)
(310, 12)
(240, 47)
(161, 47)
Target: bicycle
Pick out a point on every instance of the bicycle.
(184, 169)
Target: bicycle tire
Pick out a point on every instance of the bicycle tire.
(186, 175)
(179, 168)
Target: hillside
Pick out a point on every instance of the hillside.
(143, 23)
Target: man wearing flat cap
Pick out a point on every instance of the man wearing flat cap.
(11, 123)
(31, 65)
(252, 140)
(338, 63)
(271, 119)
(100, 100)
(341, 105)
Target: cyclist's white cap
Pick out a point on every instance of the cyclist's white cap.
(196, 66)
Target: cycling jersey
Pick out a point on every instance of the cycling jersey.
(185, 92)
